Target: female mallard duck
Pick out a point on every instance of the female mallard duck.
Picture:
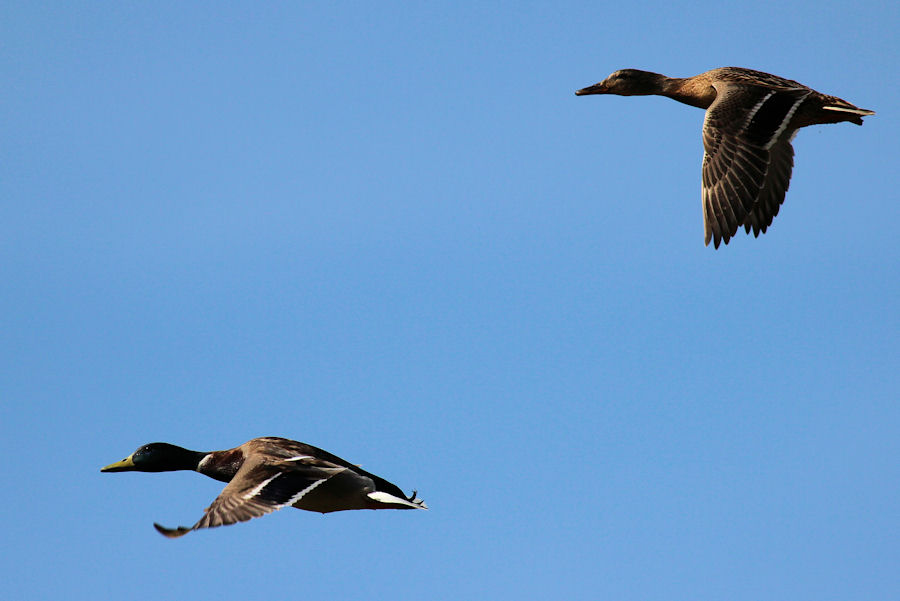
(751, 118)
(269, 473)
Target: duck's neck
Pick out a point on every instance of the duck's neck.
(220, 465)
(184, 459)
(689, 90)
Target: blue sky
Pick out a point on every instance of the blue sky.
(395, 233)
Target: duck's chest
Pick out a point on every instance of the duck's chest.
(222, 465)
(698, 93)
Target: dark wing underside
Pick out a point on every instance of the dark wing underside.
(261, 487)
(748, 157)
(778, 178)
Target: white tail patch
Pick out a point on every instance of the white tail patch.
(383, 497)
(843, 109)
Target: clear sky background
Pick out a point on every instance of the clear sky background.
(392, 231)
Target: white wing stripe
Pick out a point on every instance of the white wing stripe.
(300, 494)
(757, 106)
(787, 119)
(259, 487)
(299, 458)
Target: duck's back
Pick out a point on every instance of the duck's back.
(751, 77)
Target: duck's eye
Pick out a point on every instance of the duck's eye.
(144, 450)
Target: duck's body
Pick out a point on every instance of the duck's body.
(751, 118)
(265, 474)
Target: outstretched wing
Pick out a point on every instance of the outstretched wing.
(261, 487)
(748, 157)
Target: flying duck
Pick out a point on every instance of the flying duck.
(265, 474)
(751, 118)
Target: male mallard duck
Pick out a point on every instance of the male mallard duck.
(751, 118)
(265, 474)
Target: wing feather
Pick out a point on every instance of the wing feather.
(747, 157)
(261, 486)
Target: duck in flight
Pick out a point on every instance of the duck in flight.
(265, 474)
(751, 118)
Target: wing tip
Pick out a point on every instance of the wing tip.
(171, 532)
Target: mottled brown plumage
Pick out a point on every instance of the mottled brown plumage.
(265, 474)
(751, 118)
